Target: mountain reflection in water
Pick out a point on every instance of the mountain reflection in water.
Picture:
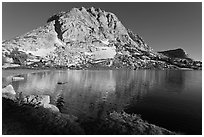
(93, 93)
(87, 90)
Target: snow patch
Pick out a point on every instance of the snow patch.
(42, 52)
(104, 53)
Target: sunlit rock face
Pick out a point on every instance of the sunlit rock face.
(76, 37)
(86, 38)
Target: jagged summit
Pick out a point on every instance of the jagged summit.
(81, 38)
(83, 23)
(91, 10)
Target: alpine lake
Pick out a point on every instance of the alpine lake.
(168, 98)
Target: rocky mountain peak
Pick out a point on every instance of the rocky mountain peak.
(82, 38)
(82, 23)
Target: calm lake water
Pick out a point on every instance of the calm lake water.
(171, 99)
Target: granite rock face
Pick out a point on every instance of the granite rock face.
(8, 90)
(51, 107)
(81, 38)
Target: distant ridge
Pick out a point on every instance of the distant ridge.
(175, 53)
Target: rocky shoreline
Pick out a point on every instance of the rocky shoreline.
(16, 71)
(33, 114)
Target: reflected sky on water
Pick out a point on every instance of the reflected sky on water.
(94, 93)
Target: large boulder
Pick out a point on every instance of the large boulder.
(51, 107)
(8, 90)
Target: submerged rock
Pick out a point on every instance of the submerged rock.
(61, 83)
(17, 78)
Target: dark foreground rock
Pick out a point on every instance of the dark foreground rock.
(33, 114)
(123, 124)
(25, 119)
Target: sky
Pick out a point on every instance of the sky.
(162, 25)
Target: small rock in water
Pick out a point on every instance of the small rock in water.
(61, 83)
(17, 78)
